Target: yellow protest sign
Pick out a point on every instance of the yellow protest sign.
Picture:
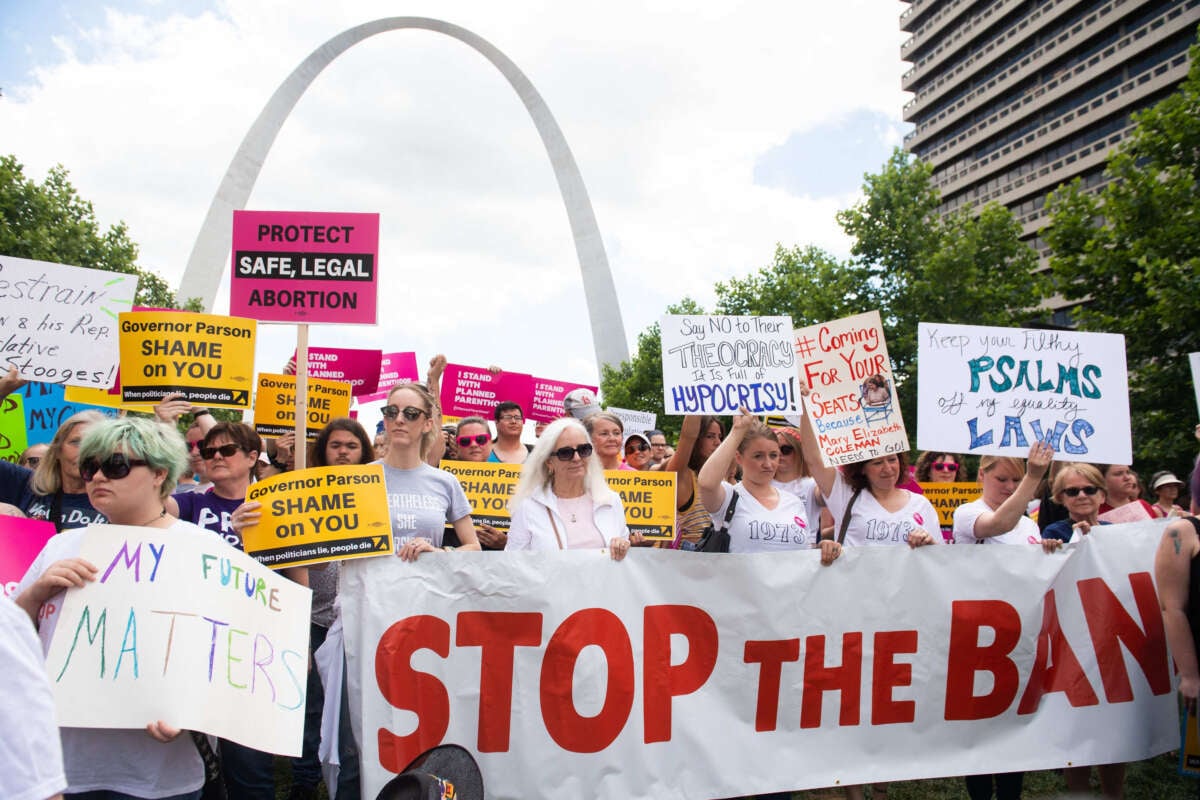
(102, 397)
(649, 499)
(1189, 745)
(208, 358)
(320, 514)
(946, 497)
(275, 404)
(488, 486)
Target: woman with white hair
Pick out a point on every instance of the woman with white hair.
(562, 501)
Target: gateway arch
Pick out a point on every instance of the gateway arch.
(211, 249)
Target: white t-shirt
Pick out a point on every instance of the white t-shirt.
(755, 528)
(872, 524)
(31, 763)
(806, 490)
(964, 527)
(118, 760)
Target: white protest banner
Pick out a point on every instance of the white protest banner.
(58, 324)
(181, 627)
(1194, 362)
(634, 421)
(718, 364)
(853, 404)
(670, 675)
(995, 391)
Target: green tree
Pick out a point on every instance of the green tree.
(51, 222)
(1132, 252)
(637, 384)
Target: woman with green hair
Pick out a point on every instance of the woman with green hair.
(129, 466)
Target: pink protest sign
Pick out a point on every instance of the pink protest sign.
(393, 368)
(471, 391)
(22, 540)
(548, 398)
(359, 368)
(305, 266)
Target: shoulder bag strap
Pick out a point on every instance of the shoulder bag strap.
(846, 516)
(56, 511)
(557, 538)
(729, 511)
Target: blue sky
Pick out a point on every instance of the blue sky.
(706, 135)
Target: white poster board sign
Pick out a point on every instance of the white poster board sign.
(58, 324)
(569, 674)
(995, 391)
(634, 421)
(718, 364)
(853, 404)
(179, 626)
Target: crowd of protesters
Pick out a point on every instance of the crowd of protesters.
(765, 486)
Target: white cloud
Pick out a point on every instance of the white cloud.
(666, 109)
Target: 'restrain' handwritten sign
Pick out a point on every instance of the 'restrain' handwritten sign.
(58, 323)
(180, 626)
(718, 364)
(319, 514)
(206, 357)
(995, 391)
(852, 405)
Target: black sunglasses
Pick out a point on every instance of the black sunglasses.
(115, 467)
(226, 451)
(479, 439)
(1075, 490)
(641, 447)
(786, 449)
(411, 413)
(568, 453)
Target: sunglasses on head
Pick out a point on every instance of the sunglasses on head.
(944, 465)
(640, 447)
(115, 467)
(411, 413)
(479, 439)
(1075, 490)
(568, 453)
(226, 451)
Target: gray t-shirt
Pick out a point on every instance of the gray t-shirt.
(422, 502)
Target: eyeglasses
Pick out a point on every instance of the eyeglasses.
(948, 466)
(1074, 491)
(786, 449)
(640, 447)
(31, 461)
(479, 439)
(411, 413)
(568, 453)
(510, 418)
(194, 445)
(226, 451)
(115, 467)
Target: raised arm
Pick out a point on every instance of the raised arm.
(811, 449)
(678, 463)
(712, 474)
(1005, 518)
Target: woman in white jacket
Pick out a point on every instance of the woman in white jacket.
(563, 501)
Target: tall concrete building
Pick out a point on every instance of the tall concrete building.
(1013, 97)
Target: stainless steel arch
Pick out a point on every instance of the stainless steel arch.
(207, 261)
